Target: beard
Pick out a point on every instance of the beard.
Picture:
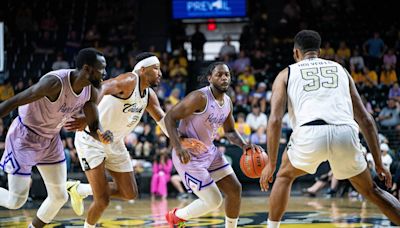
(221, 88)
(95, 83)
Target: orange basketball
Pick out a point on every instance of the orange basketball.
(252, 163)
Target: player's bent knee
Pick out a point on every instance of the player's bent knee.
(102, 203)
(215, 202)
(17, 203)
(60, 198)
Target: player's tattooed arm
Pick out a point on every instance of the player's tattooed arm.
(231, 133)
(49, 86)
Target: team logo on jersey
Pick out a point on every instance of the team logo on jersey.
(132, 108)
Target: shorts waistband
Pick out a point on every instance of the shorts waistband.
(315, 123)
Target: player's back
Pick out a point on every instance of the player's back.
(318, 89)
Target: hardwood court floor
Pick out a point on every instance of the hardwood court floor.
(302, 212)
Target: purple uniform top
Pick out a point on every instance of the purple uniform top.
(202, 170)
(34, 136)
(204, 125)
(46, 118)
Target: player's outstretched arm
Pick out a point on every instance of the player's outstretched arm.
(155, 111)
(369, 130)
(92, 118)
(194, 102)
(278, 108)
(231, 133)
(49, 86)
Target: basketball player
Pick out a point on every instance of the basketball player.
(201, 113)
(34, 140)
(123, 102)
(326, 113)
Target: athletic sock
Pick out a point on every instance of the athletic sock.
(273, 224)
(231, 222)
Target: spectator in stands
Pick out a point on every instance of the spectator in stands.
(248, 78)
(45, 44)
(394, 92)
(227, 48)
(356, 61)
(176, 181)
(327, 52)
(259, 96)
(146, 141)
(72, 45)
(374, 49)
(162, 168)
(19, 87)
(174, 97)
(3, 133)
(388, 76)
(240, 98)
(6, 90)
(242, 127)
(259, 137)
(198, 39)
(241, 63)
(390, 59)
(60, 63)
(343, 52)
(389, 116)
(117, 69)
(256, 118)
(92, 35)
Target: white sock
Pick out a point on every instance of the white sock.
(87, 225)
(31, 226)
(84, 190)
(231, 222)
(273, 224)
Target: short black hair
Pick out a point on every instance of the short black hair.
(144, 55)
(212, 66)
(307, 40)
(87, 56)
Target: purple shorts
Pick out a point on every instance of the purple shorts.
(24, 149)
(203, 170)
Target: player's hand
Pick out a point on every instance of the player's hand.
(184, 155)
(267, 176)
(195, 146)
(253, 147)
(76, 123)
(384, 174)
(105, 137)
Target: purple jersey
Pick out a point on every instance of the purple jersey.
(46, 118)
(204, 169)
(204, 125)
(34, 136)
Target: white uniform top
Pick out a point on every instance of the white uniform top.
(319, 89)
(121, 116)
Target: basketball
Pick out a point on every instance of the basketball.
(253, 162)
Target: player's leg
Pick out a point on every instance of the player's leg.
(54, 177)
(101, 193)
(232, 190)
(222, 173)
(124, 186)
(280, 192)
(17, 193)
(386, 202)
(210, 198)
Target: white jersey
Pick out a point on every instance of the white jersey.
(319, 89)
(121, 116)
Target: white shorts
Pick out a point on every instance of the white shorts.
(92, 153)
(309, 146)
